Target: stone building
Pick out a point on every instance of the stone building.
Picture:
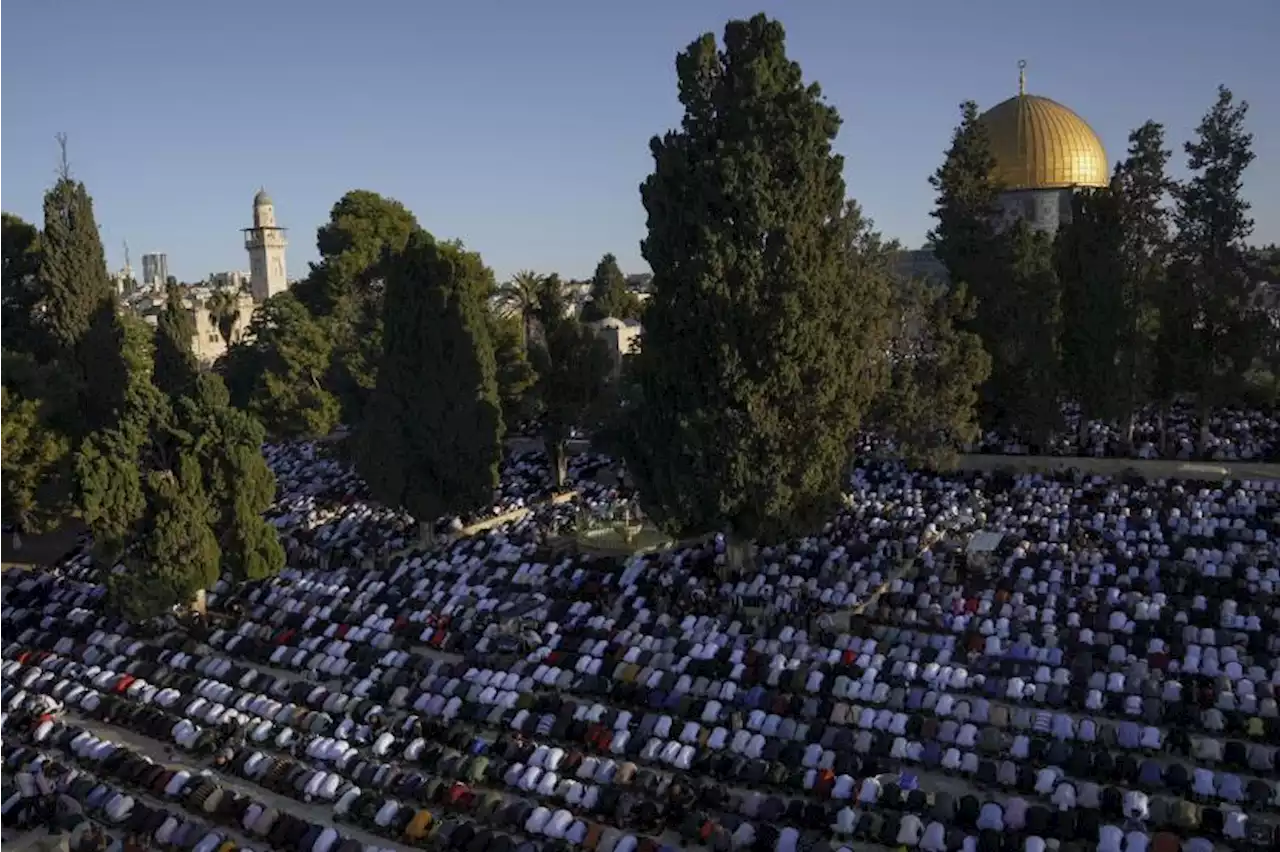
(1044, 152)
(266, 244)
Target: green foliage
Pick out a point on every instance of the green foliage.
(1089, 265)
(610, 296)
(37, 464)
(519, 297)
(278, 372)
(1142, 185)
(73, 268)
(1011, 277)
(763, 336)
(1211, 297)
(226, 444)
(1024, 346)
(432, 436)
(572, 365)
(967, 210)
(111, 498)
(224, 312)
(515, 374)
(176, 367)
(177, 554)
(344, 291)
(929, 409)
(22, 291)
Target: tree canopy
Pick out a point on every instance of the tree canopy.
(610, 296)
(763, 333)
(432, 437)
(571, 365)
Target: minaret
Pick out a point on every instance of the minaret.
(265, 242)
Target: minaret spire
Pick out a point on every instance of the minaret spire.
(1022, 77)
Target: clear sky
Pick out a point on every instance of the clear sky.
(522, 127)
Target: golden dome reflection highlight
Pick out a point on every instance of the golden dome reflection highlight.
(1040, 144)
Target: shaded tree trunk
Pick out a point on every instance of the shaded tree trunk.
(737, 555)
(559, 455)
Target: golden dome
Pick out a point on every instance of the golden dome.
(1040, 144)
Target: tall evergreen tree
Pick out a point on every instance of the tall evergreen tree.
(345, 290)
(1094, 317)
(515, 374)
(1212, 273)
(968, 212)
(278, 371)
(176, 367)
(1142, 187)
(432, 438)
(572, 365)
(762, 337)
(1009, 273)
(79, 303)
(930, 407)
(23, 291)
(73, 267)
(177, 553)
(1025, 384)
(609, 294)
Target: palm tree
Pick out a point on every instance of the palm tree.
(520, 297)
(224, 312)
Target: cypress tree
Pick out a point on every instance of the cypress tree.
(929, 409)
(572, 365)
(73, 266)
(80, 307)
(1212, 271)
(176, 367)
(432, 437)
(1094, 319)
(1142, 186)
(762, 337)
(609, 294)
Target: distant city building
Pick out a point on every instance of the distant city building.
(233, 281)
(155, 269)
(266, 244)
(621, 336)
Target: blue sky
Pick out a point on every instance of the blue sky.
(522, 128)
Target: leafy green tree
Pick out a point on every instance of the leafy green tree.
(1089, 266)
(432, 437)
(610, 296)
(930, 407)
(177, 554)
(968, 212)
(515, 374)
(763, 335)
(36, 463)
(1025, 384)
(1142, 188)
(79, 304)
(519, 297)
(237, 482)
(22, 290)
(223, 306)
(73, 267)
(279, 371)
(176, 367)
(344, 291)
(1211, 272)
(572, 366)
(112, 463)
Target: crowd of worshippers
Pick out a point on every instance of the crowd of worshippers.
(1106, 680)
(1233, 434)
